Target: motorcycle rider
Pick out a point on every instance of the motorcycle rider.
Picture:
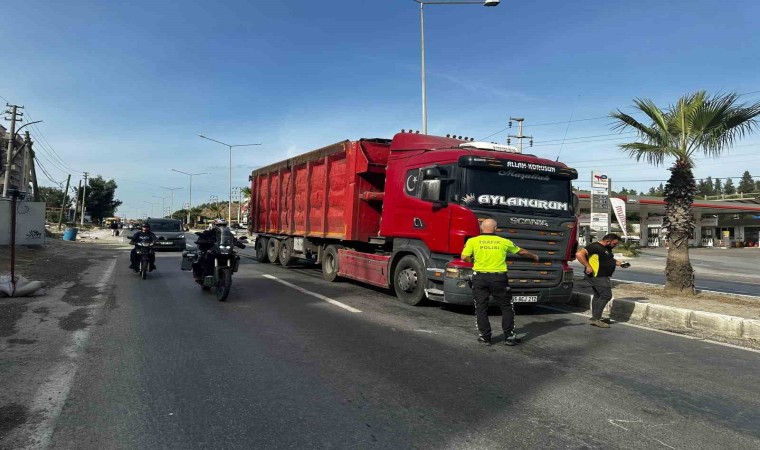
(205, 242)
(144, 235)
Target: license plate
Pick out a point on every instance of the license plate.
(525, 298)
(165, 243)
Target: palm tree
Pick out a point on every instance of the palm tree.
(698, 123)
(216, 209)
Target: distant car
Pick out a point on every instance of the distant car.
(170, 233)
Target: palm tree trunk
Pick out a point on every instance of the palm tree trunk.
(679, 221)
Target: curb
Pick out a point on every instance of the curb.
(640, 311)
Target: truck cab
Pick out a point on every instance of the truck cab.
(435, 200)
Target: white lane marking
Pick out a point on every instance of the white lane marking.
(51, 396)
(666, 445)
(685, 336)
(313, 294)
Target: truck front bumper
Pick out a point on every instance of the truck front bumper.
(458, 291)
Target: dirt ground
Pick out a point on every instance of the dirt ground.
(53, 263)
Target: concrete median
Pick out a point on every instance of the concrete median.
(672, 318)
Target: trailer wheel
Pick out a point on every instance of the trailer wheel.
(286, 253)
(261, 249)
(273, 250)
(330, 263)
(409, 280)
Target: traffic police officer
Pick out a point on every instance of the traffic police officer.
(489, 278)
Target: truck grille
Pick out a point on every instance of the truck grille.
(549, 243)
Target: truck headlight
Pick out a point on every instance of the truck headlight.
(458, 272)
(567, 275)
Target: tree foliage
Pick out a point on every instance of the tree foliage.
(99, 198)
(747, 184)
(53, 197)
(697, 123)
(729, 188)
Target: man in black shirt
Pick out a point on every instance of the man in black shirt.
(144, 235)
(600, 264)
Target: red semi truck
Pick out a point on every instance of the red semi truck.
(397, 213)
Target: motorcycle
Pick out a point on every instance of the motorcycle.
(214, 264)
(144, 251)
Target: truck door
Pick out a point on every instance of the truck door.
(424, 211)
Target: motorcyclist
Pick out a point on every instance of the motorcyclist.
(144, 235)
(205, 242)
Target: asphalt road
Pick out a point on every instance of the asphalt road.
(731, 271)
(168, 366)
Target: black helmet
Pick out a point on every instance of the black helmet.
(145, 225)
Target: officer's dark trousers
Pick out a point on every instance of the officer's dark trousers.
(602, 295)
(496, 285)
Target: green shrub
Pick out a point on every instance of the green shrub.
(629, 249)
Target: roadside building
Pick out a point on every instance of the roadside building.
(720, 223)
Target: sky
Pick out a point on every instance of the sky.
(124, 88)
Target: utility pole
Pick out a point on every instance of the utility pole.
(24, 151)
(236, 193)
(76, 208)
(240, 203)
(63, 205)
(31, 168)
(84, 192)
(519, 135)
(15, 115)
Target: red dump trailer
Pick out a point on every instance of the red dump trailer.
(396, 213)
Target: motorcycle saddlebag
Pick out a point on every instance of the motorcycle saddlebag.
(236, 263)
(188, 258)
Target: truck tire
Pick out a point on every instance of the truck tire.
(261, 249)
(330, 263)
(409, 280)
(273, 250)
(286, 253)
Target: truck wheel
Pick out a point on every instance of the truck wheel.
(286, 253)
(409, 280)
(273, 250)
(261, 249)
(330, 263)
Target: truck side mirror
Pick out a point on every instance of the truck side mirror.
(431, 173)
(431, 190)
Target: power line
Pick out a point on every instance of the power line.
(47, 174)
(562, 122)
(50, 148)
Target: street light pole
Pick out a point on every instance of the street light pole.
(172, 205)
(151, 207)
(422, 45)
(229, 210)
(163, 205)
(191, 183)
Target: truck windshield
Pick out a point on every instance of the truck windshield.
(519, 192)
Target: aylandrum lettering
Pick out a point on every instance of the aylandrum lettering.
(495, 200)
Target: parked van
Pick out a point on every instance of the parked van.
(169, 232)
